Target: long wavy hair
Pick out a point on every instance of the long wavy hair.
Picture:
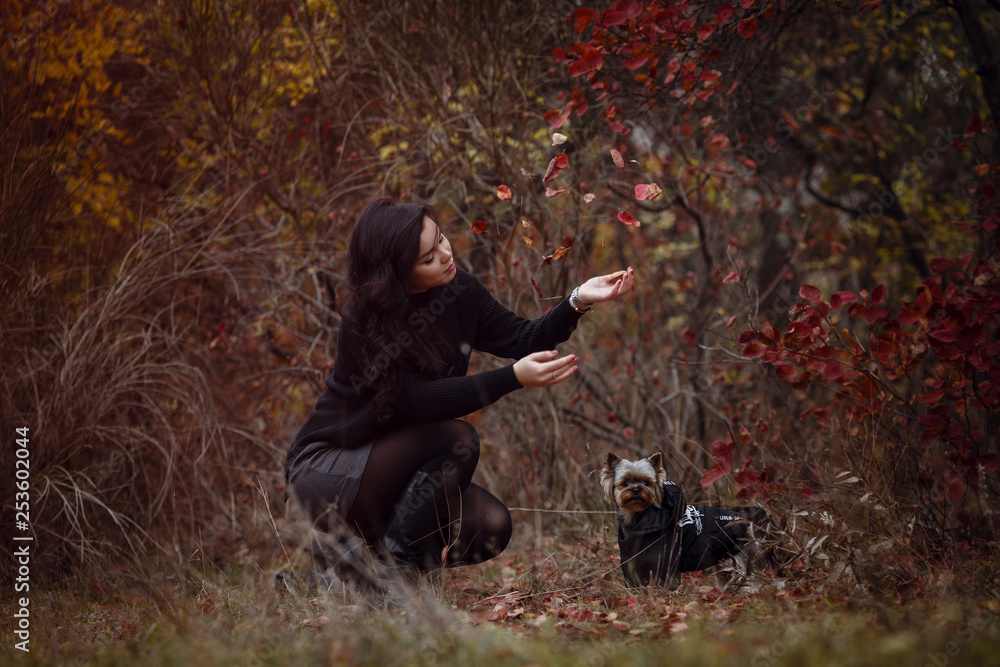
(381, 253)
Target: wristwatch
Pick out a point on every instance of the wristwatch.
(579, 306)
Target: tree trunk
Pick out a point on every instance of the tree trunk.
(985, 54)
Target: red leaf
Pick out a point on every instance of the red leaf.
(745, 479)
(943, 335)
(583, 17)
(806, 493)
(747, 27)
(878, 294)
(612, 17)
(746, 4)
(504, 193)
(941, 264)
(725, 13)
(932, 421)
(534, 284)
(722, 452)
(556, 256)
(628, 219)
(645, 191)
(479, 227)
(932, 396)
(636, 62)
(787, 373)
(833, 370)
(989, 461)
(549, 192)
(754, 350)
(733, 277)
(810, 294)
(556, 165)
(714, 474)
(955, 488)
(705, 31)
(617, 157)
(789, 119)
(840, 298)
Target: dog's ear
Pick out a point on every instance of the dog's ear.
(608, 477)
(656, 460)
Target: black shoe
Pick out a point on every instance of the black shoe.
(414, 538)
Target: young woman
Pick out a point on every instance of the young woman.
(383, 450)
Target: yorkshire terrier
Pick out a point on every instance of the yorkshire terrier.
(659, 535)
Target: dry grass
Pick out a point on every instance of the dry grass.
(546, 601)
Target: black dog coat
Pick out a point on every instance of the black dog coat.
(661, 542)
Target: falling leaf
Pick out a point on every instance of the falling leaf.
(617, 157)
(504, 193)
(789, 119)
(556, 165)
(558, 138)
(645, 191)
(556, 256)
(560, 253)
(478, 227)
(537, 288)
(628, 218)
(549, 192)
(589, 197)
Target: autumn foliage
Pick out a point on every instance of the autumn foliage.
(808, 197)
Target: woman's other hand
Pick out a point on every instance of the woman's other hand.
(544, 369)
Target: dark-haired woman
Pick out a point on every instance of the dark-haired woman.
(383, 452)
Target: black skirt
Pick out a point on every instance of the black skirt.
(327, 481)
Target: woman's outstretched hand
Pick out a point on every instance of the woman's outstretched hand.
(607, 288)
(544, 369)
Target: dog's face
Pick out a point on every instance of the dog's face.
(633, 486)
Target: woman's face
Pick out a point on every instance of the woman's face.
(434, 264)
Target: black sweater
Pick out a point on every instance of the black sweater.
(467, 317)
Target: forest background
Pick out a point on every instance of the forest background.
(806, 188)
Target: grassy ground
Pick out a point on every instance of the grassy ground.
(546, 601)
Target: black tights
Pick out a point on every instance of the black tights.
(449, 452)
